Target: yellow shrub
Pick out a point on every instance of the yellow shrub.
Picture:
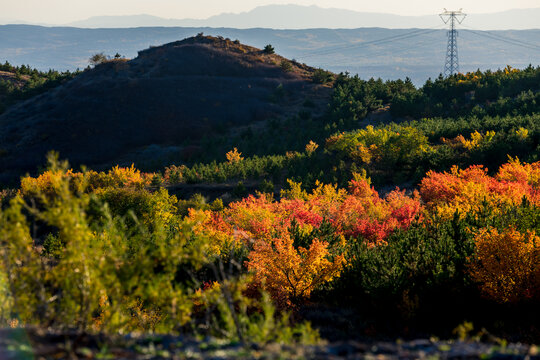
(506, 264)
(522, 133)
(292, 274)
(234, 156)
(477, 139)
(311, 147)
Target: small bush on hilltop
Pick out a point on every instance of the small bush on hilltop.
(99, 58)
(269, 49)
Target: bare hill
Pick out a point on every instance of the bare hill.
(156, 106)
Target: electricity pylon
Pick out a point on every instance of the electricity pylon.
(451, 65)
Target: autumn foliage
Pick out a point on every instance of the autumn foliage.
(118, 177)
(290, 273)
(468, 190)
(234, 156)
(288, 254)
(458, 225)
(507, 264)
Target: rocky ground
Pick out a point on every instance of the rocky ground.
(34, 344)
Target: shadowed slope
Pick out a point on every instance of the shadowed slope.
(167, 99)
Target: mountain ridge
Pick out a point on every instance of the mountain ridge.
(309, 17)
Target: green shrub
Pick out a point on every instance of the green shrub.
(321, 76)
(420, 271)
(198, 202)
(269, 49)
(266, 186)
(240, 190)
(286, 66)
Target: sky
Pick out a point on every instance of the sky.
(65, 11)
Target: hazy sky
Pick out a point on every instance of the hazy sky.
(64, 11)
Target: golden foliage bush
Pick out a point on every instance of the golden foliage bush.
(311, 147)
(507, 264)
(292, 274)
(234, 156)
(47, 184)
(385, 146)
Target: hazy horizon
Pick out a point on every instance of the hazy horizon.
(58, 12)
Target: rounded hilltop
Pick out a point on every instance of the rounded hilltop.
(209, 55)
(154, 106)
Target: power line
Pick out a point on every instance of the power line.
(504, 39)
(449, 17)
(381, 51)
(494, 34)
(366, 43)
(392, 38)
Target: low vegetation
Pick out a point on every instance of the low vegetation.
(101, 252)
(416, 210)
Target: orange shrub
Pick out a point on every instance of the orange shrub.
(291, 271)
(257, 216)
(360, 212)
(292, 274)
(364, 213)
(221, 236)
(234, 156)
(516, 172)
(506, 264)
(467, 190)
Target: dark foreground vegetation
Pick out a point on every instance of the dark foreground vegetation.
(326, 247)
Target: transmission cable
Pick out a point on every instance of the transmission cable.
(371, 42)
(504, 39)
(379, 52)
(491, 33)
(392, 38)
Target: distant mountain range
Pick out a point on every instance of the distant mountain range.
(310, 17)
(369, 52)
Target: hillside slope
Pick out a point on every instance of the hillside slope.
(157, 106)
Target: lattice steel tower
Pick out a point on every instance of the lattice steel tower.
(451, 65)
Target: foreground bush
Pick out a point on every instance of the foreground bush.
(95, 267)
